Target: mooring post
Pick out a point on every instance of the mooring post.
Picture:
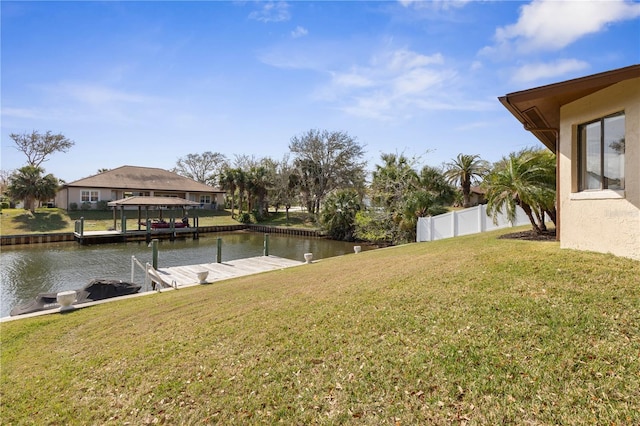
(148, 229)
(154, 253)
(265, 251)
(82, 226)
(219, 253)
(196, 224)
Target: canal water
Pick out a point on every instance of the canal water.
(27, 270)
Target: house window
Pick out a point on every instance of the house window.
(205, 199)
(89, 196)
(601, 153)
(135, 193)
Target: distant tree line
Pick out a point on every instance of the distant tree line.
(324, 172)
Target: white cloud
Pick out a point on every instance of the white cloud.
(553, 24)
(352, 79)
(533, 72)
(299, 32)
(476, 65)
(97, 94)
(272, 12)
(434, 4)
(28, 113)
(394, 85)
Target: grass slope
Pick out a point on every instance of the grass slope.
(472, 330)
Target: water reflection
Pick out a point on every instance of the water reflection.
(27, 270)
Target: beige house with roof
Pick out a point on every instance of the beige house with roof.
(593, 125)
(129, 181)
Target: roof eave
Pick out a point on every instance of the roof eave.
(538, 109)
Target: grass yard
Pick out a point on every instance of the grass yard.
(45, 220)
(474, 330)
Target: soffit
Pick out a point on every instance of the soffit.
(539, 108)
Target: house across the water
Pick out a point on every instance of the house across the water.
(130, 181)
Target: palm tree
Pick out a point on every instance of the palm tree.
(240, 178)
(466, 170)
(339, 214)
(393, 179)
(432, 179)
(228, 183)
(29, 185)
(525, 179)
(258, 184)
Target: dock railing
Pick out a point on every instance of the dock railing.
(151, 276)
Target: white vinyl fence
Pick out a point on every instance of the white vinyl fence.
(463, 222)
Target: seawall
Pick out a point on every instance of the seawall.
(10, 240)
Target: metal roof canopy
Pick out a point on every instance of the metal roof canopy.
(152, 202)
(146, 202)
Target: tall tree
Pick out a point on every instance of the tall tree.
(29, 184)
(466, 170)
(432, 179)
(285, 182)
(227, 180)
(332, 159)
(392, 179)
(399, 196)
(240, 177)
(525, 179)
(38, 147)
(258, 184)
(204, 168)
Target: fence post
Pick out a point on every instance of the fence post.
(431, 228)
(454, 227)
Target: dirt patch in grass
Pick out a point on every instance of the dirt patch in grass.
(531, 235)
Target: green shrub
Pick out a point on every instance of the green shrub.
(102, 205)
(244, 217)
(85, 206)
(73, 206)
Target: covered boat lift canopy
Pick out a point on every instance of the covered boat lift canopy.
(147, 202)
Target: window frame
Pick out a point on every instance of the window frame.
(92, 195)
(580, 156)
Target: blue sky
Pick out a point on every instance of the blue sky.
(144, 83)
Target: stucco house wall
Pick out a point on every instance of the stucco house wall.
(604, 221)
(74, 195)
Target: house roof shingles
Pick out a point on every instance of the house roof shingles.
(153, 201)
(142, 178)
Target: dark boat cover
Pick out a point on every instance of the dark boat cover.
(96, 290)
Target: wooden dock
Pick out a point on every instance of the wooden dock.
(188, 275)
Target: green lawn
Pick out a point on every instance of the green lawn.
(45, 220)
(472, 330)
